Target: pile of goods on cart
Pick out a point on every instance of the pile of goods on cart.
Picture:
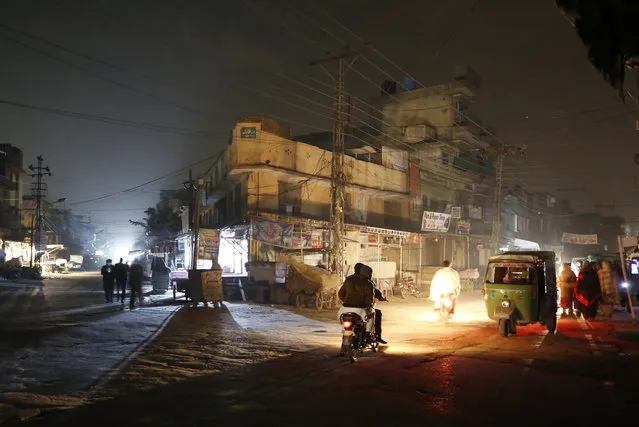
(312, 286)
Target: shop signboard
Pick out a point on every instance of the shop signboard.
(273, 233)
(436, 221)
(579, 239)
(209, 244)
(248, 132)
(310, 239)
(463, 227)
(412, 239)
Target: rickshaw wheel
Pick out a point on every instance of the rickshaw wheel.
(552, 325)
(513, 327)
(504, 327)
(318, 299)
(299, 301)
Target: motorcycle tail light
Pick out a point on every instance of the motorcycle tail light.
(347, 324)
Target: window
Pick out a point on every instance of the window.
(425, 202)
(514, 274)
(289, 197)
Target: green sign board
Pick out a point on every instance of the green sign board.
(248, 132)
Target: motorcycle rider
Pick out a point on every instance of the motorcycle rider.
(357, 295)
(446, 281)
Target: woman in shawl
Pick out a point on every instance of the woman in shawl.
(609, 282)
(587, 292)
(567, 283)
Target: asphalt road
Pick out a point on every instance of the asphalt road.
(250, 365)
(59, 337)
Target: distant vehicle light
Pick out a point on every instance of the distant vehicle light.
(347, 324)
(624, 285)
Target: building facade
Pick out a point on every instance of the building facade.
(270, 195)
(454, 154)
(11, 189)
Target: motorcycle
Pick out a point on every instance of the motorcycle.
(355, 337)
(408, 287)
(447, 306)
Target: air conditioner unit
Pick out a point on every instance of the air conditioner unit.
(291, 209)
(455, 212)
(419, 133)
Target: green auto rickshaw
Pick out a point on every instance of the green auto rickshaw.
(520, 289)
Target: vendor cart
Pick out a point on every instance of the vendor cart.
(312, 286)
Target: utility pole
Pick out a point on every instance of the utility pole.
(338, 181)
(504, 150)
(39, 191)
(196, 191)
(496, 234)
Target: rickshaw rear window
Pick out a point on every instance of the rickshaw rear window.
(511, 273)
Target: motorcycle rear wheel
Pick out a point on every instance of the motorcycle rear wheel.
(353, 354)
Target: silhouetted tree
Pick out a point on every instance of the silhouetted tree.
(161, 223)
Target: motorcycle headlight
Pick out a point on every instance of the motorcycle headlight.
(505, 304)
(624, 285)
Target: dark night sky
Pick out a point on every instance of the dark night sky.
(198, 65)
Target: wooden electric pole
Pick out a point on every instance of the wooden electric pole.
(338, 178)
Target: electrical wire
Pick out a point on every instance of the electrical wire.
(100, 76)
(128, 190)
(111, 120)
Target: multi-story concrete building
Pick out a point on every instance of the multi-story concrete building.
(11, 177)
(454, 153)
(271, 196)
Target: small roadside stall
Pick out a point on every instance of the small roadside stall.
(204, 283)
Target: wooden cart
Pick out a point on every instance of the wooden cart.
(324, 299)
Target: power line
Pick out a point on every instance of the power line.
(128, 190)
(111, 120)
(100, 76)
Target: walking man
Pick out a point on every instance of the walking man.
(108, 277)
(121, 272)
(136, 274)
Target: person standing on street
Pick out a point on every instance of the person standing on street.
(609, 282)
(108, 277)
(446, 281)
(136, 274)
(121, 271)
(567, 284)
(587, 292)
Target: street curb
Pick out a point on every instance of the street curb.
(100, 383)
